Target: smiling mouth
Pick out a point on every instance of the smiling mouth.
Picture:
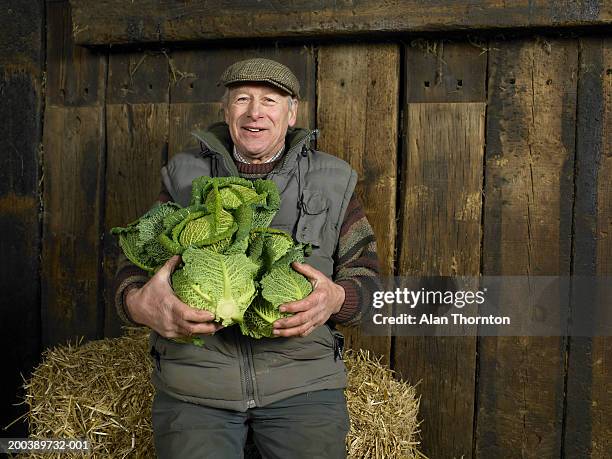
(253, 129)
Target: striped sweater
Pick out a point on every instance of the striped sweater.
(356, 266)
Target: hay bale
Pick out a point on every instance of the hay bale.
(101, 391)
(383, 411)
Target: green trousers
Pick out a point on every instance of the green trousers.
(308, 426)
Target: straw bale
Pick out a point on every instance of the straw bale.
(101, 391)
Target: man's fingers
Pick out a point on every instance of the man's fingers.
(194, 328)
(302, 330)
(307, 270)
(170, 266)
(194, 315)
(298, 306)
(296, 320)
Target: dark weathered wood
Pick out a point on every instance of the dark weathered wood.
(137, 136)
(73, 143)
(74, 155)
(441, 223)
(589, 380)
(100, 22)
(357, 114)
(74, 73)
(442, 71)
(195, 95)
(21, 70)
(442, 201)
(527, 231)
(138, 78)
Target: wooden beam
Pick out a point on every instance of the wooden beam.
(112, 22)
(441, 226)
(137, 133)
(441, 237)
(21, 92)
(357, 113)
(588, 429)
(527, 232)
(73, 142)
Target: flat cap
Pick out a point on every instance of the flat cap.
(262, 70)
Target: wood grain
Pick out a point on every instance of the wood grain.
(137, 136)
(21, 83)
(527, 232)
(137, 142)
(74, 73)
(74, 144)
(74, 155)
(99, 22)
(589, 380)
(357, 114)
(445, 71)
(441, 207)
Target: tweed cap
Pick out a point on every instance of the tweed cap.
(262, 70)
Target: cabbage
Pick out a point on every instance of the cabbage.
(281, 285)
(139, 240)
(234, 265)
(221, 284)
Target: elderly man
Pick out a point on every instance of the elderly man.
(288, 390)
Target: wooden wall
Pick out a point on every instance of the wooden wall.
(488, 155)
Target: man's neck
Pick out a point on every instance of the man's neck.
(241, 158)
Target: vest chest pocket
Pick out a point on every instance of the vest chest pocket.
(310, 227)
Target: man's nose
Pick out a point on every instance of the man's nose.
(254, 110)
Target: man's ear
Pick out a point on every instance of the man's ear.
(293, 113)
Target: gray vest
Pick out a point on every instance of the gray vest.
(232, 371)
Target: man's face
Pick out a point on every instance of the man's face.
(258, 116)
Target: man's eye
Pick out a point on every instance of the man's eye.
(242, 99)
(269, 101)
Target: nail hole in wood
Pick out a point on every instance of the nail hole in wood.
(459, 83)
(426, 83)
(549, 82)
(512, 80)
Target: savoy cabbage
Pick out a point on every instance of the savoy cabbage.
(233, 264)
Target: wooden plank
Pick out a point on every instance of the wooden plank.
(357, 114)
(99, 22)
(74, 145)
(455, 73)
(588, 431)
(74, 155)
(75, 76)
(21, 73)
(137, 136)
(442, 189)
(195, 96)
(443, 71)
(528, 205)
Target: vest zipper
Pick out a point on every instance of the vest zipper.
(247, 365)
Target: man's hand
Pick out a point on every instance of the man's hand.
(156, 306)
(325, 299)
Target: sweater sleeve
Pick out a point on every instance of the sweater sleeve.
(129, 276)
(356, 266)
